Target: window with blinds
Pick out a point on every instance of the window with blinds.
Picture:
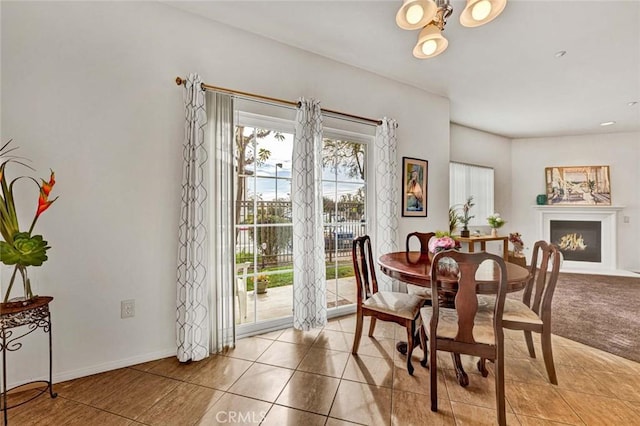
(467, 180)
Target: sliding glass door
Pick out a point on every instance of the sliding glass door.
(263, 219)
(263, 226)
(344, 195)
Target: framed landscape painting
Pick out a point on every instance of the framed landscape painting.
(578, 185)
(414, 187)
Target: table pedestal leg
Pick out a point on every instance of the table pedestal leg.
(402, 346)
(463, 379)
(461, 375)
(482, 367)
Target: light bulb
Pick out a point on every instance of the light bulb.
(414, 14)
(481, 10)
(429, 46)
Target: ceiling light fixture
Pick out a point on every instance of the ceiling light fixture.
(415, 14)
(607, 123)
(431, 16)
(632, 103)
(430, 42)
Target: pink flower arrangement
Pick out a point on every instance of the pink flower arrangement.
(518, 246)
(516, 238)
(443, 243)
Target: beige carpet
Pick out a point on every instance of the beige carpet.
(600, 311)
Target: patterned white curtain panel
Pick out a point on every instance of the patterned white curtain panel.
(387, 183)
(192, 324)
(222, 130)
(309, 284)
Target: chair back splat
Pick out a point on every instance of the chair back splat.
(543, 278)
(466, 300)
(363, 267)
(423, 237)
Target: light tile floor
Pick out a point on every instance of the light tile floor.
(310, 378)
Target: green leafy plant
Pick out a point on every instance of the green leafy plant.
(26, 250)
(272, 240)
(495, 221)
(20, 249)
(453, 219)
(465, 217)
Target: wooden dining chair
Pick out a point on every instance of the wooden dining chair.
(533, 313)
(401, 308)
(423, 238)
(464, 329)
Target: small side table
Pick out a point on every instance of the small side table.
(15, 323)
(482, 239)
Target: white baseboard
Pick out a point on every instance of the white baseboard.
(614, 272)
(100, 368)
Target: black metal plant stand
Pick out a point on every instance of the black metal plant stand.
(17, 321)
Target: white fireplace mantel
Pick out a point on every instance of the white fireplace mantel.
(579, 208)
(606, 215)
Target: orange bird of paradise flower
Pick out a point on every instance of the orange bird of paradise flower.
(45, 189)
(43, 200)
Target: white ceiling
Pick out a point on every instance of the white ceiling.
(502, 77)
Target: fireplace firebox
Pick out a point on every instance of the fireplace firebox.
(579, 240)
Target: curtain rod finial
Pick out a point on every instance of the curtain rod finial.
(179, 81)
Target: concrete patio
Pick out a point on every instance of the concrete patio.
(277, 302)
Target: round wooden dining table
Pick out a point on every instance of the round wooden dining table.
(415, 268)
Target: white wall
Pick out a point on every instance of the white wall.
(480, 148)
(621, 151)
(87, 89)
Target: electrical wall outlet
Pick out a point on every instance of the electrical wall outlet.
(128, 308)
(626, 219)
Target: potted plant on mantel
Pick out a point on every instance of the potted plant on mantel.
(20, 249)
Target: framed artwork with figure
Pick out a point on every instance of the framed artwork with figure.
(414, 187)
